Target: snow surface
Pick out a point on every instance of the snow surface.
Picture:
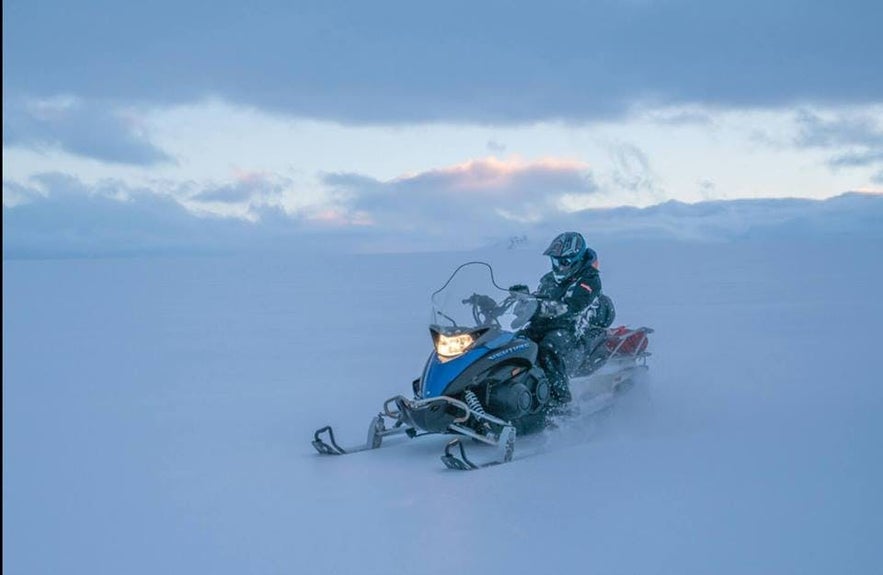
(157, 416)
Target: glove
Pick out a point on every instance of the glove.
(482, 302)
(549, 308)
(519, 288)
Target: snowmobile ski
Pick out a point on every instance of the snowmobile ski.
(504, 452)
(377, 431)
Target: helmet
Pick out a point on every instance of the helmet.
(567, 252)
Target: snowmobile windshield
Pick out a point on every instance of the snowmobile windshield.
(471, 299)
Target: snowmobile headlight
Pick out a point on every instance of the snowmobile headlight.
(453, 345)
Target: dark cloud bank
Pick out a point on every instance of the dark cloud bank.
(88, 129)
(494, 61)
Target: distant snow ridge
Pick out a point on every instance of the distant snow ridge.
(852, 214)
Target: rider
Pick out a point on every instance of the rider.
(571, 306)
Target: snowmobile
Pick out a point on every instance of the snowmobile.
(483, 380)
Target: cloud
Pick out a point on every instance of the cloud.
(496, 147)
(69, 218)
(73, 219)
(855, 141)
(89, 129)
(66, 217)
(707, 189)
(254, 187)
(853, 159)
(58, 215)
(399, 61)
(681, 116)
(467, 196)
(632, 172)
(818, 132)
(16, 194)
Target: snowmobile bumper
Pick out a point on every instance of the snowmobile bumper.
(448, 415)
(445, 414)
(433, 415)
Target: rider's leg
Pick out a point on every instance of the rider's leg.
(554, 347)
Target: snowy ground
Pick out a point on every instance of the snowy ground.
(157, 416)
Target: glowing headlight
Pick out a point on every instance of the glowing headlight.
(454, 345)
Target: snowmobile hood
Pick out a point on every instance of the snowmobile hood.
(438, 375)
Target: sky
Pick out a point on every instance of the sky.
(413, 118)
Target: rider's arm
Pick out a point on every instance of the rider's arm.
(584, 292)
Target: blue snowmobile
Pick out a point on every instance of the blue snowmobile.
(483, 381)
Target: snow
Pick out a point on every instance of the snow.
(157, 416)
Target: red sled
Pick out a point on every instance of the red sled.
(626, 341)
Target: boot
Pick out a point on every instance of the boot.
(559, 402)
(556, 373)
(559, 389)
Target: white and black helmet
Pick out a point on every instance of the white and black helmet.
(567, 252)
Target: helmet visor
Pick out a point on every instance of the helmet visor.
(564, 264)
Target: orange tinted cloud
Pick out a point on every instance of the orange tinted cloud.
(493, 175)
(476, 192)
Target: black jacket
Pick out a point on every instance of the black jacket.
(577, 293)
